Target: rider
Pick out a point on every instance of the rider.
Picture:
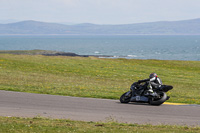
(154, 83)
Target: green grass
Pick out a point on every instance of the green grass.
(44, 125)
(94, 77)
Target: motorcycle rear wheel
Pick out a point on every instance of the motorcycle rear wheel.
(159, 101)
(125, 99)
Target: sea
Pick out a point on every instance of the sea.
(160, 47)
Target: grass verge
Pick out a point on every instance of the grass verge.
(38, 125)
(95, 77)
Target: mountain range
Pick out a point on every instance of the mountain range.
(183, 27)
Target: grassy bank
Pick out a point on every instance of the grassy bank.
(18, 125)
(94, 77)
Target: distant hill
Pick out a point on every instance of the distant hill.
(184, 27)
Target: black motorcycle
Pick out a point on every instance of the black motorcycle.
(139, 93)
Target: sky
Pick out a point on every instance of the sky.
(99, 11)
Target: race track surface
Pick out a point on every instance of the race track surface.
(91, 109)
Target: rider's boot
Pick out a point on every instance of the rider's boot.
(151, 93)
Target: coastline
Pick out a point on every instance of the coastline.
(59, 53)
(48, 53)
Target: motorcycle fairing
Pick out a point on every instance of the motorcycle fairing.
(139, 99)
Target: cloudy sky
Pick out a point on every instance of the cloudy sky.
(99, 11)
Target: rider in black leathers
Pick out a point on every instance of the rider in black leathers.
(154, 83)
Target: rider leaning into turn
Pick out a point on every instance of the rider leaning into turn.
(155, 82)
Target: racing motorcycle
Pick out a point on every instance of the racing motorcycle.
(139, 93)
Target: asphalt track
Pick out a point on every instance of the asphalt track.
(90, 109)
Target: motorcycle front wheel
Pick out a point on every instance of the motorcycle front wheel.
(126, 98)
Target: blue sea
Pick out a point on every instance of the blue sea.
(117, 46)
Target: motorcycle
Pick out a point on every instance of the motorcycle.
(139, 93)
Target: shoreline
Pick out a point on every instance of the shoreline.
(49, 53)
(59, 53)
